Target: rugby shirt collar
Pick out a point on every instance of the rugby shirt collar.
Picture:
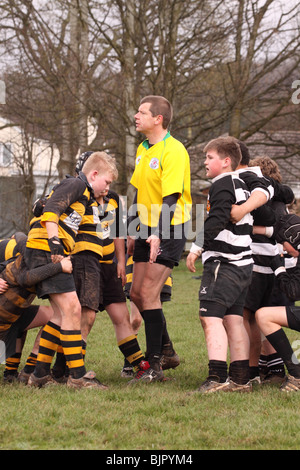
(147, 145)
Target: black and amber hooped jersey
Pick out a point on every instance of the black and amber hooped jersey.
(7, 249)
(66, 206)
(100, 224)
(112, 225)
(88, 236)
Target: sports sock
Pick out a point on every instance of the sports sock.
(49, 342)
(71, 341)
(165, 335)
(60, 367)
(218, 369)
(254, 372)
(281, 344)
(12, 363)
(130, 349)
(30, 363)
(83, 349)
(263, 365)
(154, 324)
(239, 372)
(275, 364)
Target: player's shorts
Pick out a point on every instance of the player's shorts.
(112, 288)
(166, 292)
(87, 278)
(293, 317)
(57, 284)
(170, 248)
(223, 289)
(17, 328)
(260, 291)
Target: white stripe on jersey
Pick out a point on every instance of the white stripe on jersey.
(237, 240)
(233, 242)
(237, 259)
(264, 249)
(262, 269)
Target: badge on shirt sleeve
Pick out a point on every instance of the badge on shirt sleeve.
(154, 163)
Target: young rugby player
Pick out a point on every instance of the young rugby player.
(51, 237)
(98, 278)
(227, 260)
(17, 315)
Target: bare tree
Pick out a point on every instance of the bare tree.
(257, 85)
(219, 63)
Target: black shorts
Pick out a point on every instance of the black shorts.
(112, 286)
(87, 278)
(293, 317)
(170, 248)
(223, 288)
(57, 284)
(16, 330)
(260, 291)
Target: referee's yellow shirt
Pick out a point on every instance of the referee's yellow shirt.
(161, 170)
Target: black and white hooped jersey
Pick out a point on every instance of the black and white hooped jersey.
(265, 249)
(224, 240)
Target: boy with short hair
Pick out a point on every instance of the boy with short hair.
(98, 278)
(227, 260)
(51, 237)
(162, 181)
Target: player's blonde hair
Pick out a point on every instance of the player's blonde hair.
(102, 162)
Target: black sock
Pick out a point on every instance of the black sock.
(275, 364)
(281, 344)
(154, 325)
(254, 372)
(263, 365)
(218, 369)
(239, 372)
(165, 335)
(59, 368)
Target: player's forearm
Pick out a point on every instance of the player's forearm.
(52, 229)
(257, 199)
(120, 250)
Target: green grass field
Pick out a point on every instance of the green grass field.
(154, 417)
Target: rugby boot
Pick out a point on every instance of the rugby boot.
(87, 381)
(170, 358)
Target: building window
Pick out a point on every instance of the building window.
(6, 154)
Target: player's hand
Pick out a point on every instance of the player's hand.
(290, 249)
(154, 243)
(190, 262)
(121, 271)
(66, 265)
(237, 213)
(3, 286)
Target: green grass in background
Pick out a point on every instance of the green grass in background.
(159, 416)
